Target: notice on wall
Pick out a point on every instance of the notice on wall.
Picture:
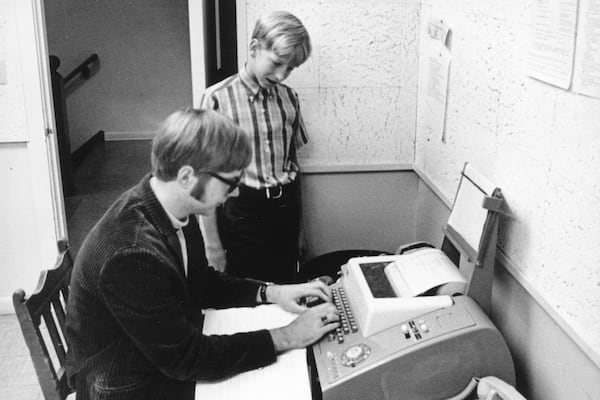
(437, 74)
(553, 41)
(586, 75)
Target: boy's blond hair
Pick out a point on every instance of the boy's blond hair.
(284, 34)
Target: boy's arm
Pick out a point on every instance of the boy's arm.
(302, 242)
(212, 242)
(300, 139)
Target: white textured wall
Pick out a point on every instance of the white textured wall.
(540, 144)
(358, 88)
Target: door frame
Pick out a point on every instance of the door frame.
(197, 48)
(41, 96)
(37, 88)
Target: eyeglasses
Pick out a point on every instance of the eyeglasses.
(233, 183)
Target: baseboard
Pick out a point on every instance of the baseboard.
(118, 136)
(81, 153)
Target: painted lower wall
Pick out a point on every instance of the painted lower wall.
(358, 210)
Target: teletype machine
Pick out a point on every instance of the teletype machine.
(414, 325)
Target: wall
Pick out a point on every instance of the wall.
(540, 144)
(549, 364)
(28, 233)
(144, 54)
(358, 88)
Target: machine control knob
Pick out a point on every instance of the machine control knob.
(405, 330)
(355, 354)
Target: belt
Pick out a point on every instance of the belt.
(268, 193)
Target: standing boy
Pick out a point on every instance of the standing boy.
(258, 234)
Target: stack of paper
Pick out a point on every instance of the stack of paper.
(287, 378)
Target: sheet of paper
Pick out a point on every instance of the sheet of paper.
(286, 379)
(586, 74)
(418, 272)
(438, 69)
(468, 215)
(553, 41)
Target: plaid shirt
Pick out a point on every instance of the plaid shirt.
(272, 118)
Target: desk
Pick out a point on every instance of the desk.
(285, 379)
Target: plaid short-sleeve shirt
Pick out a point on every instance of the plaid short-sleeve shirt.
(272, 119)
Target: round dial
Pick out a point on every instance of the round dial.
(355, 354)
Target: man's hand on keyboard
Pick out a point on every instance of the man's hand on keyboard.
(309, 327)
(292, 297)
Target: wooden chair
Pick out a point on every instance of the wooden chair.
(42, 320)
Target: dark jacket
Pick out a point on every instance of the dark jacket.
(134, 326)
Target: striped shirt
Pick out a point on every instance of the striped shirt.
(272, 119)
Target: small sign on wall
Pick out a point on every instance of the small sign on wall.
(586, 76)
(437, 75)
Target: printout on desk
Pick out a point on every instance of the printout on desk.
(286, 379)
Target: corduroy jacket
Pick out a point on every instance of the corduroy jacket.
(134, 322)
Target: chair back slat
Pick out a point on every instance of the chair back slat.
(55, 337)
(42, 320)
(59, 312)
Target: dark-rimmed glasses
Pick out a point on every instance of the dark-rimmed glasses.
(233, 183)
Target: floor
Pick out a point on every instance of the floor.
(109, 170)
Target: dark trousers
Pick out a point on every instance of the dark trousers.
(259, 232)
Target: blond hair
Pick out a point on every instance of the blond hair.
(284, 34)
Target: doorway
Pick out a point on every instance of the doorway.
(145, 70)
(221, 60)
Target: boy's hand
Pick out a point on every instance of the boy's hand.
(302, 246)
(290, 297)
(216, 258)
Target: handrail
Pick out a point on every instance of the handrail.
(83, 69)
(60, 115)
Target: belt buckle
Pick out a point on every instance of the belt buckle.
(276, 196)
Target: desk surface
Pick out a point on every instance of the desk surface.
(285, 379)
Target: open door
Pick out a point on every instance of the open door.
(31, 206)
(40, 72)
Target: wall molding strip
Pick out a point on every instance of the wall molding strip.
(447, 202)
(118, 136)
(349, 168)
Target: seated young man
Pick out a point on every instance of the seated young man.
(141, 278)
